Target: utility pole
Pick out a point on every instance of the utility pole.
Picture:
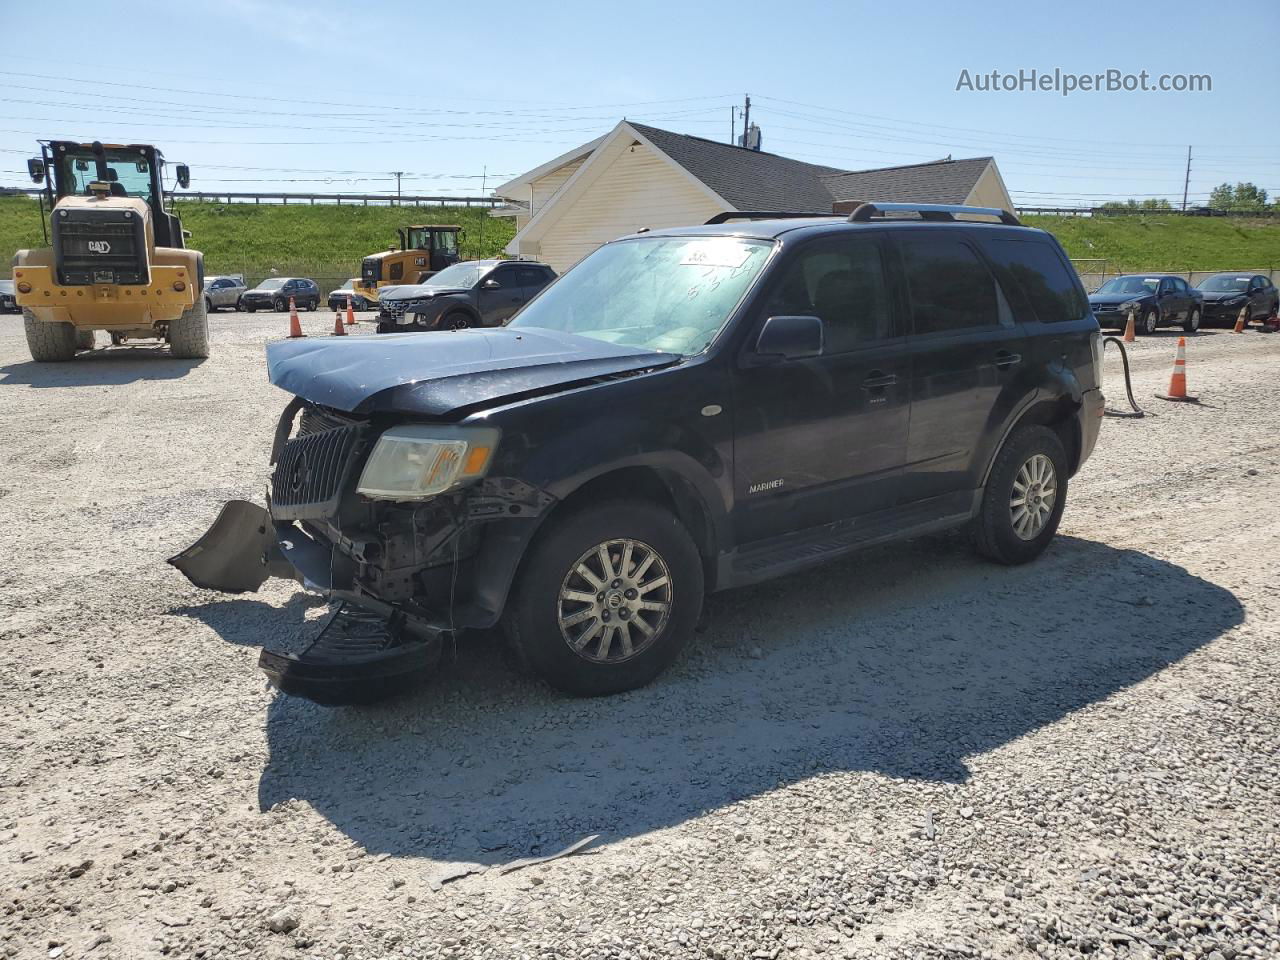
(484, 185)
(733, 125)
(397, 174)
(1187, 182)
(746, 118)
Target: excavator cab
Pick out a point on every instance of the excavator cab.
(424, 251)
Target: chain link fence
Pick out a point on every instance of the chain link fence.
(1094, 273)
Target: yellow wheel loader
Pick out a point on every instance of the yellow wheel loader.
(117, 260)
(424, 250)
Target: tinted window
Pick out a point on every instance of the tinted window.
(533, 276)
(506, 277)
(951, 289)
(1035, 274)
(1180, 285)
(841, 280)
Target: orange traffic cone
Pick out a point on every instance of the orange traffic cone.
(1178, 380)
(1131, 329)
(1241, 321)
(339, 330)
(295, 325)
(351, 314)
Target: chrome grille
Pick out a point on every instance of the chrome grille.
(395, 309)
(307, 482)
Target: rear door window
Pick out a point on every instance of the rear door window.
(1036, 273)
(951, 288)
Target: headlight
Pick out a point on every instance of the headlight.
(1234, 301)
(418, 461)
(1131, 305)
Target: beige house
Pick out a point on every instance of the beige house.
(638, 176)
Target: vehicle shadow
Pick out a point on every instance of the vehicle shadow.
(902, 661)
(103, 367)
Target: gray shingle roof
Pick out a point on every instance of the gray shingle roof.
(754, 180)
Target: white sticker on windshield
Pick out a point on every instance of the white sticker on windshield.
(1243, 279)
(715, 253)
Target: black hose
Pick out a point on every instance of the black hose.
(1128, 383)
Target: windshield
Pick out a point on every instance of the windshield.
(460, 274)
(6, 286)
(1225, 284)
(132, 173)
(348, 285)
(1130, 285)
(672, 294)
(275, 283)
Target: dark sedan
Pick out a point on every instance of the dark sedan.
(274, 294)
(475, 293)
(1157, 300)
(1227, 295)
(7, 302)
(338, 298)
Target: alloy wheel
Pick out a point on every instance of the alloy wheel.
(614, 601)
(1035, 489)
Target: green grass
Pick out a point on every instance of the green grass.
(1174, 243)
(326, 242)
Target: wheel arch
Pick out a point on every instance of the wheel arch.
(1061, 414)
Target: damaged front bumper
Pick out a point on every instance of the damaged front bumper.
(399, 576)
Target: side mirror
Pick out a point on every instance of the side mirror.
(35, 167)
(491, 284)
(791, 338)
(184, 175)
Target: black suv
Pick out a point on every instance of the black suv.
(475, 293)
(686, 410)
(274, 293)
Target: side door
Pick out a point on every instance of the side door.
(1260, 298)
(500, 295)
(967, 360)
(1186, 299)
(822, 439)
(1167, 295)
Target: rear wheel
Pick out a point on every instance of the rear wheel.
(606, 599)
(1024, 497)
(48, 342)
(84, 339)
(189, 334)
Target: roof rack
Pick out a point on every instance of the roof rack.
(763, 215)
(931, 211)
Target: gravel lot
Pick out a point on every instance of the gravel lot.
(908, 754)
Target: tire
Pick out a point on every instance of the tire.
(189, 334)
(84, 339)
(250, 309)
(279, 306)
(1192, 323)
(995, 534)
(532, 619)
(117, 339)
(1149, 323)
(208, 305)
(48, 342)
(457, 320)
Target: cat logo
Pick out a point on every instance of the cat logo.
(99, 246)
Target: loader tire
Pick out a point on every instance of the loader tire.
(189, 334)
(48, 342)
(84, 339)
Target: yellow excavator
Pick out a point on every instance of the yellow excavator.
(117, 261)
(424, 250)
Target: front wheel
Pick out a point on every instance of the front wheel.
(1024, 497)
(279, 306)
(607, 597)
(1192, 323)
(456, 321)
(1150, 321)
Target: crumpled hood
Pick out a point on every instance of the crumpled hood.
(436, 373)
(417, 291)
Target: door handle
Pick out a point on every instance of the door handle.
(878, 381)
(1006, 359)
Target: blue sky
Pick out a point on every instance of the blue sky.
(278, 95)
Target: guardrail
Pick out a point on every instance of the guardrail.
(359, 199)
(1112, 212)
